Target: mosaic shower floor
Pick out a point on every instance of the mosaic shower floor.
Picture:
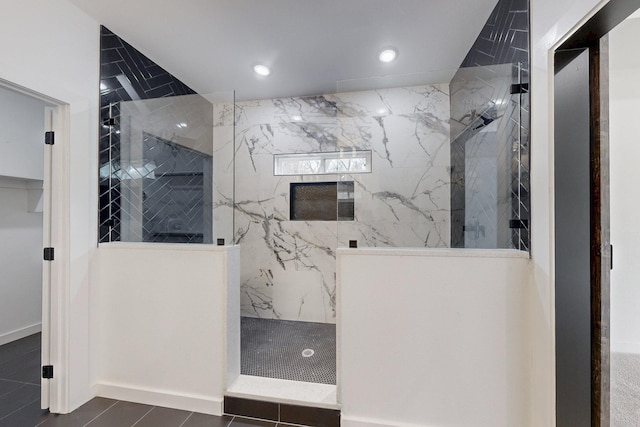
(288, 350)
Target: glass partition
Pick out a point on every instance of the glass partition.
(404, 200)
(163, 178)
(450, 160)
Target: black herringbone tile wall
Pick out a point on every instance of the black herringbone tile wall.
(481, 87)
(128, 75)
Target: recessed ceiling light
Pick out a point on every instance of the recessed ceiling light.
(262, 70)
(388, 55)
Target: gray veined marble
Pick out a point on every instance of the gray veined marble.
(288, 267)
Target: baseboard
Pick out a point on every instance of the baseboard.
(347, 421)
(20, 333)
(165, 399)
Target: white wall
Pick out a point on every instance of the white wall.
(162, 312)
(552, 21)
(20, 262)
(433, 337)
(625, 176)
(51, 47)
(21, 135)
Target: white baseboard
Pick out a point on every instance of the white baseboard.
(165, 399)
(20, 333)
(346, 421)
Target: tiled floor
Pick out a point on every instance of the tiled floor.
(20, 401)
(274, 348)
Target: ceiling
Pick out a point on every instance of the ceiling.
(311, 46)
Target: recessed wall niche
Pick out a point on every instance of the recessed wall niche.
(321, 201)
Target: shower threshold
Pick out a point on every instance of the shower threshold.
(284, 391)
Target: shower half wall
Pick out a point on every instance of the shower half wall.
(288, 267)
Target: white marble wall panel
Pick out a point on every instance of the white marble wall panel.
(288, 267)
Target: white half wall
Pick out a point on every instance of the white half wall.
(625, 177)
(433, 337)
(20, 262)
(163, 312)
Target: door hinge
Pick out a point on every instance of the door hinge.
(48, 254)
(521, 224)
(49, 137)
(519, 88)
(47, 372)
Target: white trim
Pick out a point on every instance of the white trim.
(20, 333)
(165, 398)
(60, 268)
(437, 252)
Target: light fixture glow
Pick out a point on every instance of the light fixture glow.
(103, 86)
(262, 70)
(297, 118)
(181, 125)
(388, 55)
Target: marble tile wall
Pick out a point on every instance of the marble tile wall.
(288, 267)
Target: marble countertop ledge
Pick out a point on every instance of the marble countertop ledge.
(436, 252)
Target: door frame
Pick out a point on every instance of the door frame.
(56, 226)
(592, 36)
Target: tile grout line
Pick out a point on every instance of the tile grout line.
(22, 407)
(101, 413)
(11, 391)
(187, 419)
(147, 413)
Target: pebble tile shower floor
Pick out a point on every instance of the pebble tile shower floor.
(274, 349)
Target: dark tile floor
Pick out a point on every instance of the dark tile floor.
(288, 350)
(20, 401)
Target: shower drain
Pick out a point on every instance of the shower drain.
(307, 352)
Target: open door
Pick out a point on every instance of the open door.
(48, 255)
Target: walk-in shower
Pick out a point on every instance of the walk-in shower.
(432, 160)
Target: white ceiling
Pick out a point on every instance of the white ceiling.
(311, 46)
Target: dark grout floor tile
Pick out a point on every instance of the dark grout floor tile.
(19, 347)
(81, 416)
(163, 417)
(203, 420)
(8, 386)
(248, 422)
(122, 414)
(25, 368)
(28, 416)
(18, 398)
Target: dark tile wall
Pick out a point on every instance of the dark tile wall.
(125, 75)
(474, 93)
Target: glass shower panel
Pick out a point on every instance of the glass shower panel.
(160, 171)
(489, 158)
(404, 201)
